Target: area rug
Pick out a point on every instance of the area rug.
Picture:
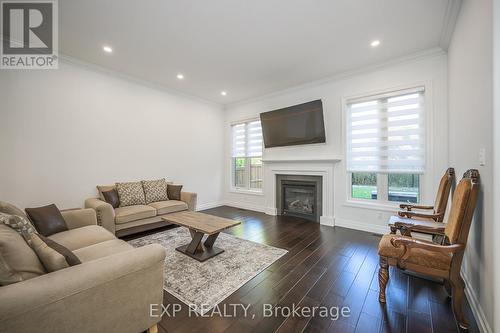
(203, 285)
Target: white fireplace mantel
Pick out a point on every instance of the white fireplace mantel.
(331, 159)
(323, 167)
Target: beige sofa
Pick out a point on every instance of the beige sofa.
(124, 221)
(110, 291)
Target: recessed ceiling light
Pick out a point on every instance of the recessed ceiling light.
(223, 93)
(107, 49)
(180, 76)
(375, 43)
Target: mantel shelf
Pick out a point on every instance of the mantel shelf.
(333, 159)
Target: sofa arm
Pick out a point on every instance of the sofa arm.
(110, 294)
(77, 218)
(190, 198)
(105, 213)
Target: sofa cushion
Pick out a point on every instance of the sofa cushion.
(18, 261)
(47, 219)
(130, 194)
(170, 206)
(155, 190)
(80, 237)
(133, 213)
(102, 249)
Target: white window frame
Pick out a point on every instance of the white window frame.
(382, 202)
(382, 190)
(246, 189)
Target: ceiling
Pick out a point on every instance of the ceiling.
(247, 48)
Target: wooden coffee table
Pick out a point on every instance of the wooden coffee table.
(200, 224)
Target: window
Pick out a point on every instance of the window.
(386, 146)
(247, 156)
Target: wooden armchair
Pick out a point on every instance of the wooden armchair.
(439, 261)
(425, 222)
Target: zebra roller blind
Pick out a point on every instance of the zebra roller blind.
(386, 133)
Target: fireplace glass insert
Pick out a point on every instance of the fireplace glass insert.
(299, 199)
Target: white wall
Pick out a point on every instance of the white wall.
(470, 104)
(65, 131)
(496, 149)
(429, 70)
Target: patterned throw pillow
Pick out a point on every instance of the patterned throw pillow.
(18, 223)
(155, 190)
(130, 193)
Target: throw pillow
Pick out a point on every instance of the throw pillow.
(70, 257)
(47, 220)
(19, 261)
(10, 209)
(104, 188)
(155, 190)
(111, 197)
(174, 191)
(53, 256)
(18, 223)
(130, 194)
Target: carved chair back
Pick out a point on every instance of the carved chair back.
(462, 208)
(444, 192)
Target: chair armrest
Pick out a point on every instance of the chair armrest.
(190, 198)
(110, 294)
(77, 218)
(427, 227)
(410, 214)
(105, 213)
(409, 207)
(413, 243)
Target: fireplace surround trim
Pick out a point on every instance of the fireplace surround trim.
(324, 169)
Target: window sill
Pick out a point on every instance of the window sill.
(386, 207)
(244, 191)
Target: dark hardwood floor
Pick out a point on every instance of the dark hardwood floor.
(332, 267)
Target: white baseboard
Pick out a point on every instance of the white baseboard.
(208, 205)
(244, 205)
(362, 226)
(271, 211)
(327, 220)
(477, 310)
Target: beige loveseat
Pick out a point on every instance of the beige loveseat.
(110, 291)
(127, 220)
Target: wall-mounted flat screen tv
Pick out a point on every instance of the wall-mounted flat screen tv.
(295, 125)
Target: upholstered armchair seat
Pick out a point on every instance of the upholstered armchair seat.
(407, 225)
(417, 256)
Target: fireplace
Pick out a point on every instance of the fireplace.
(299, 196)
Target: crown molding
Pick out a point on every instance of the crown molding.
(414, 57)
(449, 22)
(133, 79)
